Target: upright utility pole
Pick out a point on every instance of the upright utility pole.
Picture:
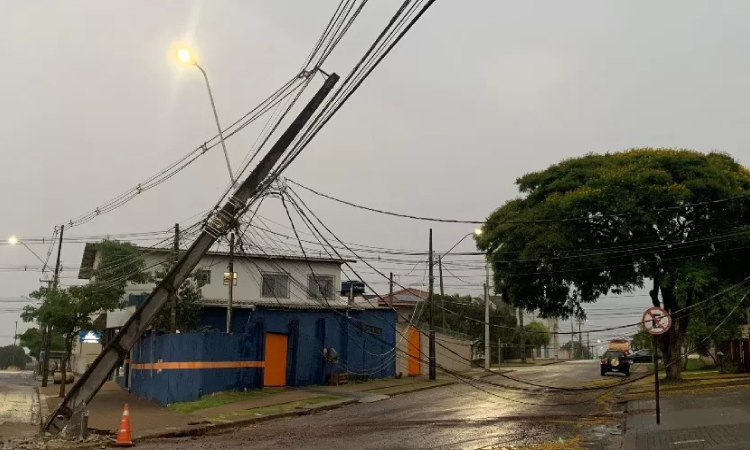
(580, 340)
(572, 338)
(69, 410)
(588, 342)
(231, 282)
(48, 335)
(15, 335)
(487, 363)
(390, 287)
(173, 295)
(522, 335)
(433, 371)
(442, 292)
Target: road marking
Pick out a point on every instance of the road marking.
(694, 441)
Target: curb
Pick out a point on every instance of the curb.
(208, 428)
(422, 388)
(44, 411)
(682, 388)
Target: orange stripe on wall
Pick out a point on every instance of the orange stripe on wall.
(198, 365)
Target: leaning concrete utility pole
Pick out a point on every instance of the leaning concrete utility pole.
(69, 411)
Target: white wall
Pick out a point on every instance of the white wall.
(444, 348)
(83, 354)
(248, 288)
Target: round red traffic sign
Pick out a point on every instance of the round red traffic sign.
(656, 320)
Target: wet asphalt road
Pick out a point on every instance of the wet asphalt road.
(453, 417)
(18, 405)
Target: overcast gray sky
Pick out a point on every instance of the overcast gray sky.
(476, 95)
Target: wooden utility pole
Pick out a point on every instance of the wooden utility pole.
(231, 282)
(15, 335)
(433, 368)
(173, 295)
(442, 292)
(48, 335)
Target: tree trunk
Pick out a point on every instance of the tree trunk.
(671, 341)
(64, 365)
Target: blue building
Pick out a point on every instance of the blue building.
(271, 347)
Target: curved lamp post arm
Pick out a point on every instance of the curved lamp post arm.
(218, 125)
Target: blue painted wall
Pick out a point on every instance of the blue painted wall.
(364, 340)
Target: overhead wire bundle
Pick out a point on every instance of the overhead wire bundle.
(537, 385)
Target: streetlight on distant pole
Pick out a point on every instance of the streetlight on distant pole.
(13, 240)
(186, 57)
(477, 232)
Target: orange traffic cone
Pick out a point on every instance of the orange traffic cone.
(124, 437)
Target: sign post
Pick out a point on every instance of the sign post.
(656, 321)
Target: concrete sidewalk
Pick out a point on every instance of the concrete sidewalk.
(105, 411)
(151, 420)
(718, 419)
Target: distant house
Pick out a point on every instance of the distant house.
(408, 302)
(453, 351)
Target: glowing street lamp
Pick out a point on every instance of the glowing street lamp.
(186, 57)
(13, 240)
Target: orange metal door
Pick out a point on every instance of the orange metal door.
(413, 363)
(274, 373)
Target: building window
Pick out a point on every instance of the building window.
(203, 276)
(320, 286)
(275, 285)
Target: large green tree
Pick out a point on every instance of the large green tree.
(68, 311)
(536, 335)
(674, 221)
(13, 356)
(32, 339)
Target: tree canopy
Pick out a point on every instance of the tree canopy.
(32, 339)
(537, 335)
(13, 356)
(603, 224)
(69, 310)
(465, 314)
(188, 307)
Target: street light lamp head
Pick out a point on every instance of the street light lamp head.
(478, 232)
(185, 56)
(13, 240)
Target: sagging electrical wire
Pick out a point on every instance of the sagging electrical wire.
(480, 222)
(512, 378)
